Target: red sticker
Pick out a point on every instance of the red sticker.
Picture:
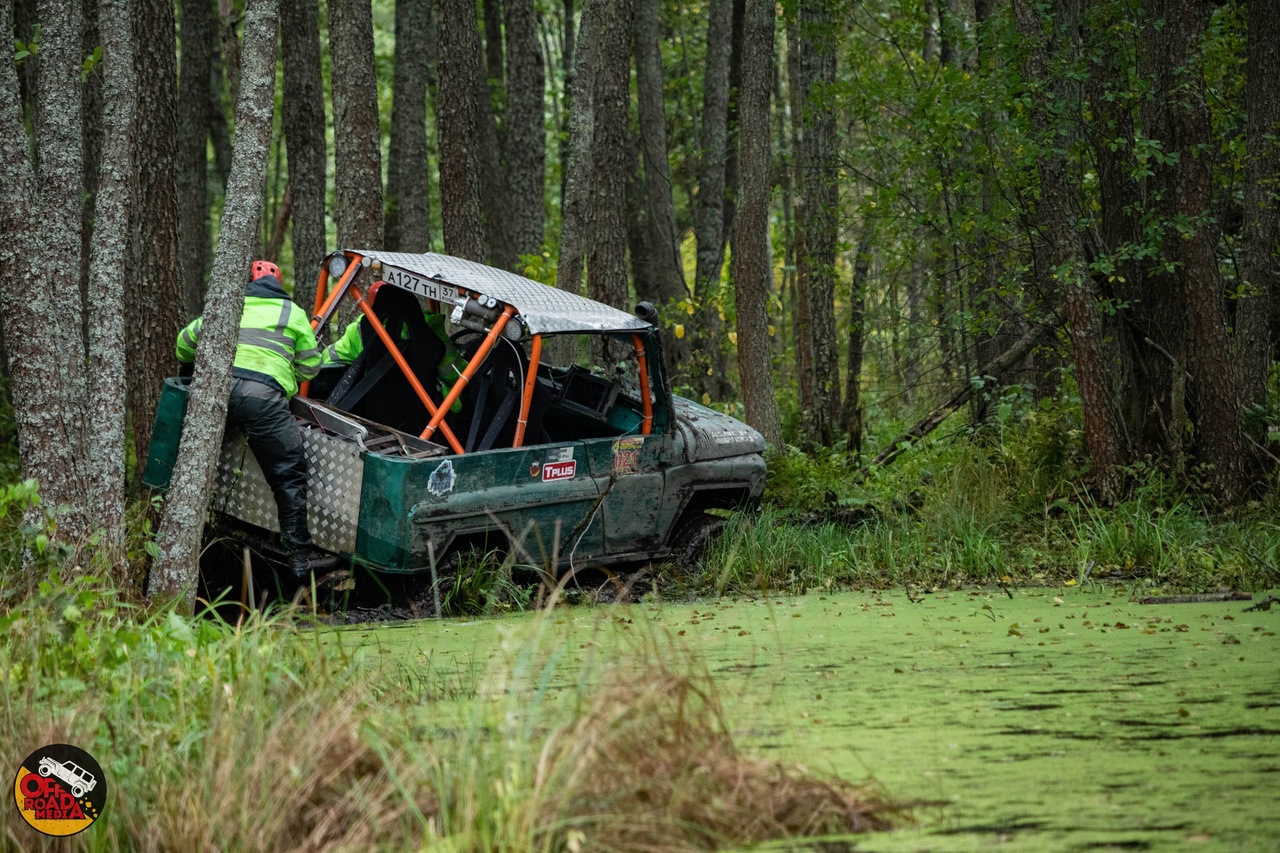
(559, 470)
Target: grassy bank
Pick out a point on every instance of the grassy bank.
(268, 737)
(955, 515)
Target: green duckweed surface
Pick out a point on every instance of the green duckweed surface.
(1056, 719)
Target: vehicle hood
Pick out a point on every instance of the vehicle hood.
(708, 434)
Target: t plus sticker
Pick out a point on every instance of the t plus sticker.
(559, 464)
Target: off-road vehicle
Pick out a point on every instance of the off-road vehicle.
(560, 439)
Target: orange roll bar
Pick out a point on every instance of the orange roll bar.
(322, 290)
(436, 414)
(646, 400)
(338, 293)
(478, 359)
(530, 382)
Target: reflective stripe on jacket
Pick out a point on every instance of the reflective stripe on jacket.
(276, 343)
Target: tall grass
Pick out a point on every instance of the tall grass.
(269, 736)
(974, 514)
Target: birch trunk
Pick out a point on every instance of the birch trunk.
(108, 251)
(175, 571)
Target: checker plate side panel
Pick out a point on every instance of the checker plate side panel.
(335, 476)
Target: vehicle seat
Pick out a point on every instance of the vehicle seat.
(493, 398)
(373, 386)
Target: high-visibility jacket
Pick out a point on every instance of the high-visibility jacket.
(276, 344)
(348, 347)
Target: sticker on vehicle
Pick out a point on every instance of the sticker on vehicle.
(559, 464)
(442, 479)
(626, 454)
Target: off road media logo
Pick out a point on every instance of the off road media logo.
(60, 789)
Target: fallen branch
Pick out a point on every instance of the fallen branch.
(997, 367)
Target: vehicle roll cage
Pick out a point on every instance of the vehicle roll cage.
(351, 262)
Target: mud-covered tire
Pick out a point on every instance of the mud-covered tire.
(693, 540)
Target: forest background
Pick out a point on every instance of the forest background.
(1050, 227)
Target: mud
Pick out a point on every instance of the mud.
(1057, 720)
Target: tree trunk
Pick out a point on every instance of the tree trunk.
(752, 255)
(579, 167)
(1215, 381)
(1258, 262)
(175, 570)
(1057, 221)
(91, 113)
(41, 237)
(357, 147)
(607, 256)
(492, 10)
(408, 221)
(817, 206)
(219, 131)
(568, 66)
(852, 419)
(526, 132)
(709, 215)
(667, 268)
(108, 253)
(1149, 415)
(458, 127)
(198, 32)
(154, 280)
(304, 128)
(231, 58)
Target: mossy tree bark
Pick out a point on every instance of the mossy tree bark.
(154, 280)
(106, 292)
(407, 226)
(199, 30)
(175, 570)
(752, 254)
(459, 64)
(302, 112)
(40, 237)
(525, 139)
(357, 143)
(607, 254)
(1258, 260)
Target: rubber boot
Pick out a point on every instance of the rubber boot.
(308, 560)
(305, 559)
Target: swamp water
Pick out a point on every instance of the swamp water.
(1056, 720)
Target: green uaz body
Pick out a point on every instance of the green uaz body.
(566, 466)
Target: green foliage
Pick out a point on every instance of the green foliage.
(30, 48)
(28, 547)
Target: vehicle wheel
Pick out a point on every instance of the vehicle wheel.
(77, 792)
(693, 539)
(44, 770)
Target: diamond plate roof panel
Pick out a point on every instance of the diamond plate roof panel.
(543, 310)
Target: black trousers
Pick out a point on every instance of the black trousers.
(275, 438)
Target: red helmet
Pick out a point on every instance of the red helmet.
(261, 268)
(373, 291)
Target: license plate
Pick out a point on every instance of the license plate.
(424, 287)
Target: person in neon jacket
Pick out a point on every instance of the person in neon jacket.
(276, 351)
